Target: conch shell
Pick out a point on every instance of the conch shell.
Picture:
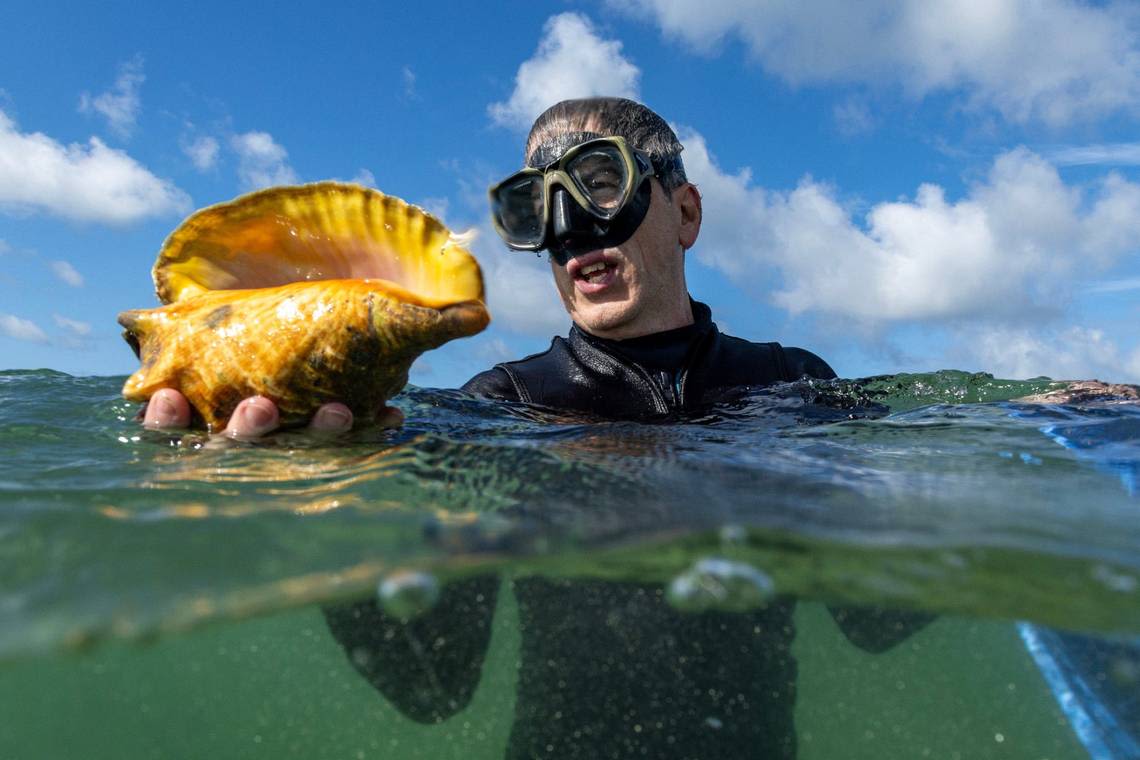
(304, 294)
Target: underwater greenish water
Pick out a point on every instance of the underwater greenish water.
(162, 593)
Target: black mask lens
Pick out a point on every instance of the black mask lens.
(518, 205)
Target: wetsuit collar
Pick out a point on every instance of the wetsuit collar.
(666, 350)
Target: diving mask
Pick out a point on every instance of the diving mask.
(594, 196)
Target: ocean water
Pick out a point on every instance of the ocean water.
(170, 595)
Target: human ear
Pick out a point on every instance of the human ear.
(688, 201)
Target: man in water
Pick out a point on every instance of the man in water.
(607, 669)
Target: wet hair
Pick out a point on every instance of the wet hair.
(642, 128)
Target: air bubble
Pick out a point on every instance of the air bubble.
(407, 594)
(722, 585)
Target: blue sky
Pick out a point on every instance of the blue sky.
(899, 186)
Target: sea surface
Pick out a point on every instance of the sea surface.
(161, 594)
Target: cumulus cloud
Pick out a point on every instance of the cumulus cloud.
(1055, 61)
(83, 182)
(1062, 353)
(119, 105)
(21, 329)
(572, 61)
(1111, 154)
(202, 152)
(520, 288)
(66, 272)
(1011, 249)
(261, 161)
(73, 326)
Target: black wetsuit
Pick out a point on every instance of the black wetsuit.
(609, 670)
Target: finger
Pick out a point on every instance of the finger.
(167, 408)
(253, 418)
(390, 417)
(332, 418)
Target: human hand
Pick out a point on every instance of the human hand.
(255, 416)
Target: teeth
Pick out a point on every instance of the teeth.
(587, 271)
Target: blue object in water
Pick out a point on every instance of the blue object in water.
(1096, 683)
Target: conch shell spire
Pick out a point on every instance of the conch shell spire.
(304, 294)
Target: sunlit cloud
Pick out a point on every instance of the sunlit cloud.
(72, 326)
(364, 177)
(67, 273)
(21, 329)
(261, 161)
(1110, 154)
(82, 182)
(520, 287)
(1013, 248)
(202, 151)
(120, 105)
(1061, 352)
(1114, 286)
(1054, 61)
(572, 61)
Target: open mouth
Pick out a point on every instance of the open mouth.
(592, 271)
(595, 273)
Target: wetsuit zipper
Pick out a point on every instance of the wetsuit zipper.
(683, 373)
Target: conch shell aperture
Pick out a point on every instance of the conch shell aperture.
(304, 294)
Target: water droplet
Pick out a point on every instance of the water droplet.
(722, 585)
(407, 594)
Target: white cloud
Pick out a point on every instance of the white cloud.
(261, 161)
(572, 61)
(853, 117)
(496, 351)
(520, 288)
(120, 105)
(1115, 286)
(86, 183)
(1111, 154)
(364, 177)
(1062, 353)
(21, 329)
(1050, 60)
(409, 78)
(73, 326)
(202, 152)
(1014, 248)
(67, 273)
(5, 247)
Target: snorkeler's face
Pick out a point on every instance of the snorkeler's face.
(636, 287)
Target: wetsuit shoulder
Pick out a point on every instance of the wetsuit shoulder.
(801, 362)
(492, 383)
(506, 380)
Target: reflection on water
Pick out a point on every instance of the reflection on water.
(663, 581)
